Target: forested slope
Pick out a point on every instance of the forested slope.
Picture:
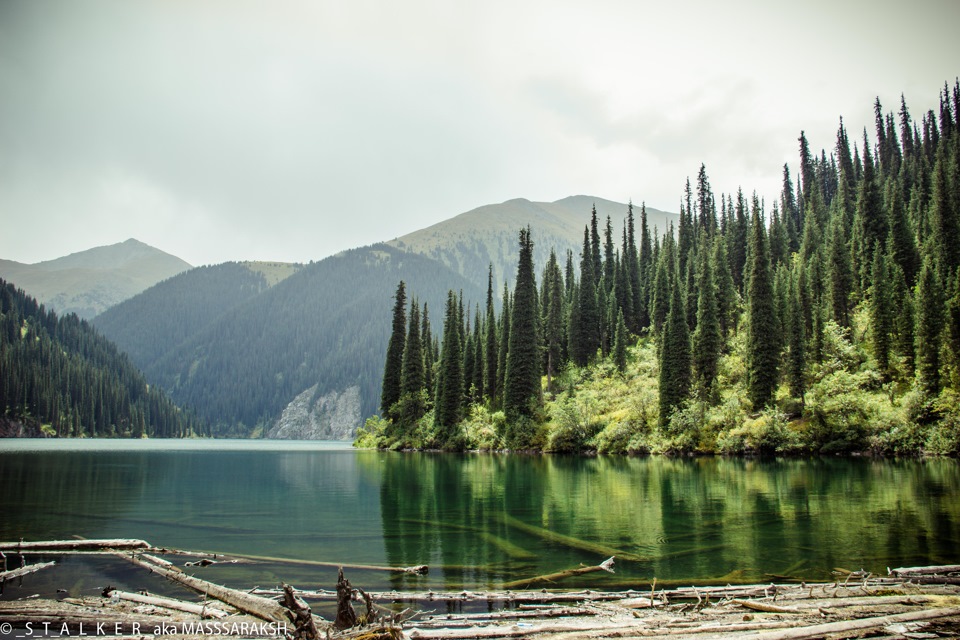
(58, 376)
(324, 325)
(828, 321)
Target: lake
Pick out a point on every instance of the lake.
(477, 520)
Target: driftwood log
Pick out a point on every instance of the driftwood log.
(526, 583)
(22, 571)
(202, 610)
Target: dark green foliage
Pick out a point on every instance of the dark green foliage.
(413, 402)
(796, 347)
(59, 374)
(929, 325)
(762, 340)
(554, 331)
(881, 312)
(449, 398)
(841, 277)
(620, 344)
(727, 296)
(707, 339)
(393, 367)
(585, 326)
(522, 383)
(504, 346)
(491, 346)
(674, 377)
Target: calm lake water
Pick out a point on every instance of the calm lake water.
(478, 520)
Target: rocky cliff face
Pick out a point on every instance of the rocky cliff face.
(334, 416)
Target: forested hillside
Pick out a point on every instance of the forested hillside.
(827, 320)
(155, 322)
(59, 377)
(238, 353)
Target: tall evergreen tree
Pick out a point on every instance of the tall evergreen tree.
(504, 346)
(522, 385)
(393, 367)
(448, 404)
(796, 356)
(585, 343)
(553, 326)
(412, 402)
(762, 340)
(674, 376)
(929, 327)
(491, 348)
(645, 266)
(881, 313)
(707, 339)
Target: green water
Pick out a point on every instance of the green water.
(478, 520)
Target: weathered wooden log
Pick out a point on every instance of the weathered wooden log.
(913, 571)
(202, 610)
(766, 607)
(22, 571)
(254, 605)
(120, 544)
(861, 624)
(346, 616)
(606, 565)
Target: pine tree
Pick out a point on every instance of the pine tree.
(796, 357)
(726, 289)
(553, 329)
(522, 384)
(674, 377)
(491, 348)
(841, 278)
(412, 402)
(881, 313)
(762, 340)
(586, 342)
(929, 326)
(393, 367)
(426, 344)
(646, 267)
(504, 346)
(447, 407)
(707, 339)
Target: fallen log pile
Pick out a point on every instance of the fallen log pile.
(910, 602)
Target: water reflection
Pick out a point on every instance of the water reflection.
(489, 519)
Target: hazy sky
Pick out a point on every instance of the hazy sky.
(288, 130)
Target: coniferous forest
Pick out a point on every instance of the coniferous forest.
(826, 321)
(59, 377)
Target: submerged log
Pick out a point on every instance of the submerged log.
(606, 565)
(417, 570)
(570, 541)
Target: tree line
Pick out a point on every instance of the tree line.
(59, 377)
(844, 289)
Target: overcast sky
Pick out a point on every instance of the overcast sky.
(289, 130)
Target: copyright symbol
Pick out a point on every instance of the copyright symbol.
(6, 628)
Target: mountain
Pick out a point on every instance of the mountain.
(302, 358)
(88, 282)
(471, 241)
(58, 376)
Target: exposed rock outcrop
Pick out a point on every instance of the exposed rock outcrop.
(332, 416)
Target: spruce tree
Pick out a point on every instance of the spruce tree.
(393, 367)
(841, 278)
(586, 341)
(674, 377)
(762, 340)
(796, 352)
(646, 267)
(522, 383)
(707, 339)
(448, 404)
(881, 313)
(553, 326)
(929, 327)
(504, 346)
(412, 403)
(491, 348)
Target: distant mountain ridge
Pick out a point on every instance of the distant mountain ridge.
(89, 282)
(468, 243)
